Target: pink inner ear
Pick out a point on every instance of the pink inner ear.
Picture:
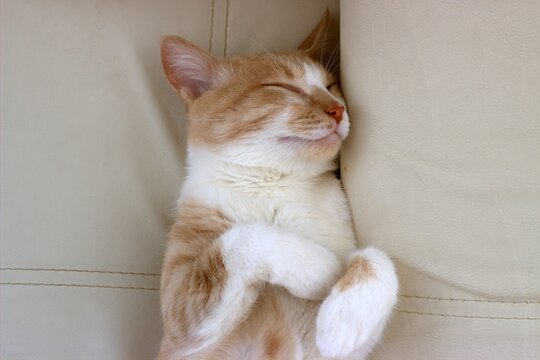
(196, 87)
(188, 68)
(191, 75)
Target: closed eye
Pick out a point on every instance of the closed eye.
(331, 86)
(286, 87)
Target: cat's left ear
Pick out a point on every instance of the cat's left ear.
(313, 44)
(189, 69)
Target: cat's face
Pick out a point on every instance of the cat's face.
(282, 110)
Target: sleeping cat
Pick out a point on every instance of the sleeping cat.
(262, 261)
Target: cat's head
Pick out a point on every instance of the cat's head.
(283, 110)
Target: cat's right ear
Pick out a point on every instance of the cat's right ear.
(188, 68)
(314, 43)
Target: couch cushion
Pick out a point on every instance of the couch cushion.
(92, 148)
(442, 169)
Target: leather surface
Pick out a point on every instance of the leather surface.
(442, 169)
(92, 148)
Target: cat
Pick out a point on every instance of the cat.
(262, 260)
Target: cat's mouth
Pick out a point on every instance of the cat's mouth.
(333, 138)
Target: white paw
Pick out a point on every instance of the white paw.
(310, 273)
(268, 253)
(351, 320)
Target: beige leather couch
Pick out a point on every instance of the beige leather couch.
(443, 169)
(442, 166)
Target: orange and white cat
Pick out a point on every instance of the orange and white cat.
(262, 261)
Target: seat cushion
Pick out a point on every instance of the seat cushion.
(92, 158)
(442, 169)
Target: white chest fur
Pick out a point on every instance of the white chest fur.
(314, 206)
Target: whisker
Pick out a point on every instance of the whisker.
(321, 54)
(327, 59)
(276, 61)
(335, 69)
(260, 45)
(334, 55)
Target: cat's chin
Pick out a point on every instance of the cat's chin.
(321, 149)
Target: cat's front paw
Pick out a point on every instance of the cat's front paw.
(308, 273)
(352, 318)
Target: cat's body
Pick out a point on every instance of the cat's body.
(262, 262)
(259, 197)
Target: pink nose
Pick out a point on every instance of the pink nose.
(336, 111)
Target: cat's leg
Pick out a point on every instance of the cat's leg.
(202, 298)
(208, 297)
(352, 318)
(282, 257)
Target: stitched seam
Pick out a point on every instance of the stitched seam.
(226, 30)
(156, 289)
(527, 302)
(468, 316)
(81, 286)
(79, 271)
(212, 27)
(530, 302)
